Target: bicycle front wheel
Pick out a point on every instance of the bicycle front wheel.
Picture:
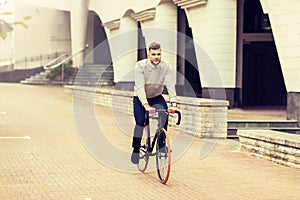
(163, 156)
(144, 155)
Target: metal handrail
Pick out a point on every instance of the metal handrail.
(62, 63)
(68, 58)
(29, 59)
(6, 59)
(54, 60)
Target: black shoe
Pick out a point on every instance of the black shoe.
(161, 141)
(135, 156)
(163, 150)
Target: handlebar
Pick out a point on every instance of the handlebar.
(179, 117)
(147, 116)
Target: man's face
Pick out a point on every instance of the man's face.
(155, 56)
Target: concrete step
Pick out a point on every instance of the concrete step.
(88, 75)
(261, 123)
(41, 78)
(290, 126)
(93, 65)
(34, 82)
(64, 82)
(95, 75)
(37, 79)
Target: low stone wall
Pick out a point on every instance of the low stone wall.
(16, 76)
(293, 106)
(280, 147)
(200, 117)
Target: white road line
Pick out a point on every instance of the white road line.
(15, 138)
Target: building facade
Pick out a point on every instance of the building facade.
(39, 34)
(248, 49)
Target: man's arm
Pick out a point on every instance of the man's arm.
(140, 84)
(170, 84)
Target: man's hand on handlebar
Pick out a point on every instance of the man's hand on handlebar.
(172, 108)
(150, 109)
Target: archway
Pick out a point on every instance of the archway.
(95, 36)
(187, 66)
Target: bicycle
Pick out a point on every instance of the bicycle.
(163, 148)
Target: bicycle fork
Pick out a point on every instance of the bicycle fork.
(153, 144)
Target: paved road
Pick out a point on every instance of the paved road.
(42, 157)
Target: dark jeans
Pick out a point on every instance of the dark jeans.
(157, 102)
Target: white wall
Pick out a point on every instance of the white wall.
(125, 37)
(115, 9)
(48, 32)
(285, 22)
(52, 4)
(6, 46)
(214, 30)
(123, 46)
(163, 29)
(79, 24)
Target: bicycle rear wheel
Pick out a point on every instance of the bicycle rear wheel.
(163, 156)
(145, 145)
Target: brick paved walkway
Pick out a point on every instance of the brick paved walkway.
(42, 157)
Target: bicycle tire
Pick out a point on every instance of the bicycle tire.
(163, 156)
(145, 145)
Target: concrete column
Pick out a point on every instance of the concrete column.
(181, 49)
(239, 49)
(162, 28)
(125, 59)
(181, 53)
(79, 17)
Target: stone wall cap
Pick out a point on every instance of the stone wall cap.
(261, 120)
(202, 101)
(181, 99)
(272, 136)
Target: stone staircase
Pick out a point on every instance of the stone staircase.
(37, 79)
(288, 126)
(87, 75)
(41, 79)
(94, 75)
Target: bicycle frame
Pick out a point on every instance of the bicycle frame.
(162, 116)
(163, 149)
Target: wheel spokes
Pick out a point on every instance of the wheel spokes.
(163, 157)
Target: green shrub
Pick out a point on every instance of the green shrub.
(56, 72)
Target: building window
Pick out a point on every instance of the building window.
(255, 21)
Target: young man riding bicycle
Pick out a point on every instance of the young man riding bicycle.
(151, 75)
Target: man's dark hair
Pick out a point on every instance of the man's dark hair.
(154, 46)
